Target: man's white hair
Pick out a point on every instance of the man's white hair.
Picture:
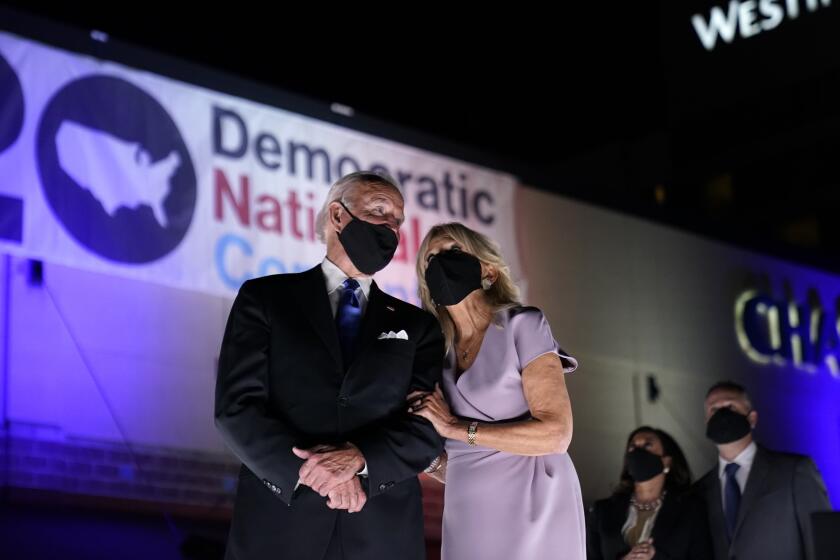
(342, 189)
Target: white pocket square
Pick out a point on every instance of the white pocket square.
(402, 335)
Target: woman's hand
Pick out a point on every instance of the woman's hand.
(434, 408)
(642, 551)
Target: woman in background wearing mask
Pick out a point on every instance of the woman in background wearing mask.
(511, 489)
(651, 514)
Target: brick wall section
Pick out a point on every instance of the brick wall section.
(95, 468)
(112, 470)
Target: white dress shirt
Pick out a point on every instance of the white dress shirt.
(334, 278)
(744, 460)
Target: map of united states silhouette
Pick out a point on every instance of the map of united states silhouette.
(118, 173)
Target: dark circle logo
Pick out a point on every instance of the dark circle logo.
(115, 170)
(11, 105)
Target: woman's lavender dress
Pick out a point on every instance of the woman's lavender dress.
(499, 505)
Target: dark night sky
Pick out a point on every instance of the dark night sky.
(526, 89)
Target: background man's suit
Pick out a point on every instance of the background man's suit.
(773, 522)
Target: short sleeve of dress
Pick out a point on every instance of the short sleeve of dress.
(532, 337)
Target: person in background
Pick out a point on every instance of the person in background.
(759, 501)
(652, 514)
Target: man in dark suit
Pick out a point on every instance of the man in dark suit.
(759, 501)
(310, 395)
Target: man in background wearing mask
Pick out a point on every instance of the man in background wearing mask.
(310, 395)
(759, 501)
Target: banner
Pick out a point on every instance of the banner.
(116, 170)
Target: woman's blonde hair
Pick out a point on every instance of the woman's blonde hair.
(501, 295)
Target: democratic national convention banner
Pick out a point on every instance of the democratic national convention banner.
(125, 172)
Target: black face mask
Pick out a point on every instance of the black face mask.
(726, 426)
(643, 465)
(452, 275)
(369, 246)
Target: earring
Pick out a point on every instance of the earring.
(486, 283)
(666, 470)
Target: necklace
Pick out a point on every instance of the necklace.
(476, 342)
(648, 506)
(466, 352)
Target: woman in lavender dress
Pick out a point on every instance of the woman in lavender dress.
(511, 489)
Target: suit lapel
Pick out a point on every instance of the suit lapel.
(619, 514)
(614, 518)
(315, 305)
(372, 319)
(665, 519)
(717, 522)
(754, 487)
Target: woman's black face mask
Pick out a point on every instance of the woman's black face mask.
(452, 275)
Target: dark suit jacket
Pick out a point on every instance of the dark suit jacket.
(281, 383)
(774, 518)
(680, 531)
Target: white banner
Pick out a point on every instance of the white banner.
(116, 170)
